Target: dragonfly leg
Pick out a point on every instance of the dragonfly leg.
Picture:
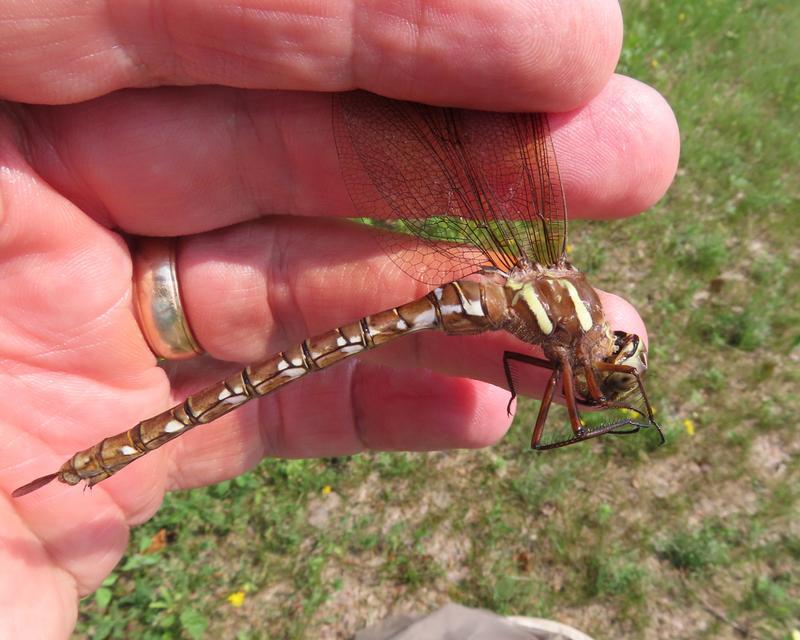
(544, 408)
(591, 383)
(569, 396)
(508, 357)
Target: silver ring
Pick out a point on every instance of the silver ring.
(157, 300)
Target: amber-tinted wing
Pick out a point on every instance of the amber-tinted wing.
(474, 188)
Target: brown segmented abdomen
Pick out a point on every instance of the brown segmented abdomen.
(461, 307)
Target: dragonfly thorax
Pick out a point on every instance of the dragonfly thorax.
(557, 307)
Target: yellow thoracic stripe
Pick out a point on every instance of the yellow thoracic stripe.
(528, 294)
(584, 317)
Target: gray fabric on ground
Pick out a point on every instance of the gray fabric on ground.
(453, 622)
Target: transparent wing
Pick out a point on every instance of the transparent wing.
(474, 188)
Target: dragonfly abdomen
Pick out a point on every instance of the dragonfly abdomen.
(462, 307)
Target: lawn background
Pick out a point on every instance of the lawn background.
(696, 539)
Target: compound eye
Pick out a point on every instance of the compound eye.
(619, 385)
(632, 347)
(627, 345)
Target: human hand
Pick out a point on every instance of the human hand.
(198, 159)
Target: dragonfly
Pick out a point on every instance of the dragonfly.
(477, 199)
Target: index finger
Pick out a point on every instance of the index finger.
(471, 53)
(177, 161)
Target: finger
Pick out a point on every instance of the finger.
(174, 162)
(341, 411)
(473, 53)
(253, 290)
(620, 151)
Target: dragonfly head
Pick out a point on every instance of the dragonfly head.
(629, 351)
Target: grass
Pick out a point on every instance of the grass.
(695, 550)
(621, 538)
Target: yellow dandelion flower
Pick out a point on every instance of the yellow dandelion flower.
(236, 598)
(569, 248)
(688, 423)
(326, 489)
(681, 18)
(655, 63)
